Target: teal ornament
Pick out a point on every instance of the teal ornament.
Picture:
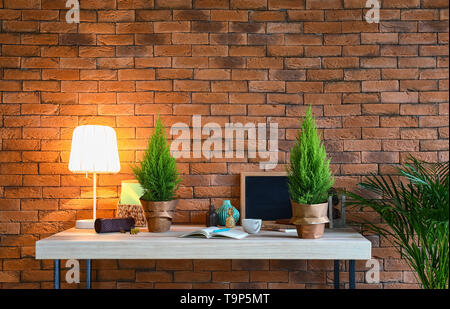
(222, 212)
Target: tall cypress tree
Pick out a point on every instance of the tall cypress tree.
(157, 171)
(309, 174)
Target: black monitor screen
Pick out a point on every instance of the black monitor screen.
(267, 198)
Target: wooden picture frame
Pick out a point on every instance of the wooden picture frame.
(243, 187)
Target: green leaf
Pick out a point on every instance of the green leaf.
(417, 214)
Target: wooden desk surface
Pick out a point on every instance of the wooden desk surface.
(336, 244)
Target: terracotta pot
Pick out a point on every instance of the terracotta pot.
(309, 214)
(310, 231)
(159, 214)
(309, 219)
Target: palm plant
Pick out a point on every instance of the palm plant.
(416, 214)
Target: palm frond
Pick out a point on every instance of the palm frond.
(417, 214)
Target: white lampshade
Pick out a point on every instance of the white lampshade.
(94, 150)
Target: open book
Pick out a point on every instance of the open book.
(209, 232)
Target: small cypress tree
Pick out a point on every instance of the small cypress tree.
(157, 172)
(309, 174)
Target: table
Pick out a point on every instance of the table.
(336, 244)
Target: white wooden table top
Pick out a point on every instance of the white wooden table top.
(339, 244)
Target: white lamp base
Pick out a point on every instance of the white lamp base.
(85, 224)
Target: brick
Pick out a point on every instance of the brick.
(434, 4)
(265, 39)
(40, 63)
(401, 122)
(342, 87)
(362, 74)
(10, 62)
(286, 4)
(359, 121)
(174, 73)
(400, 145)
(114, 39)
(266, 86)
(116, 16)
(302, 39)
(287, 75)
(400, 73)
(230, 276)
(229, 15)
(248, 4)
(304, 87)
(302, 63)
(191, 109)
(247, 51)
(379, 38)
(169, 27)
(325, 74)
(429, 97)
(418, 109)
(322, 27)
(154, 85)
(380, 157)
(161, 97)
(191, 85)
(151, 39)
(337, 15)
(362, 145)
(433, 121)
(433, 145)
(380, 133)
(342, 134)
(190, 62)
(174, 4)
(247, 98)
(261, 110)
(21, 50)
(247, 27)
(362, 50)
(378, 62)
(321, 99)
(40, 86)
(378, 86)
(341, 62)
(398, 26)
(20, 26)
(21, 74)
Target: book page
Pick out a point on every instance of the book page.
(206, 232)
(236, 234)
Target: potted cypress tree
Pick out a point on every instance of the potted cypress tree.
(157, 173)
(309, 180)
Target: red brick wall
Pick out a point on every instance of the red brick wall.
(380, 91)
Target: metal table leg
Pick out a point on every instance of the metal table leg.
(336, 275)
(88, 274)
(352, 274)
(56, 274)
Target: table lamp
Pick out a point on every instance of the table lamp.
(94, 150)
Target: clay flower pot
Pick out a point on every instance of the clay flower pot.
(309, 219)
(310, 231)
(159, 214)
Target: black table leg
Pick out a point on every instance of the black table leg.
(56, 274)
(336, 274)
(88, 274)
(352, 274)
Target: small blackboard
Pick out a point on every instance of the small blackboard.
(265, 196)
